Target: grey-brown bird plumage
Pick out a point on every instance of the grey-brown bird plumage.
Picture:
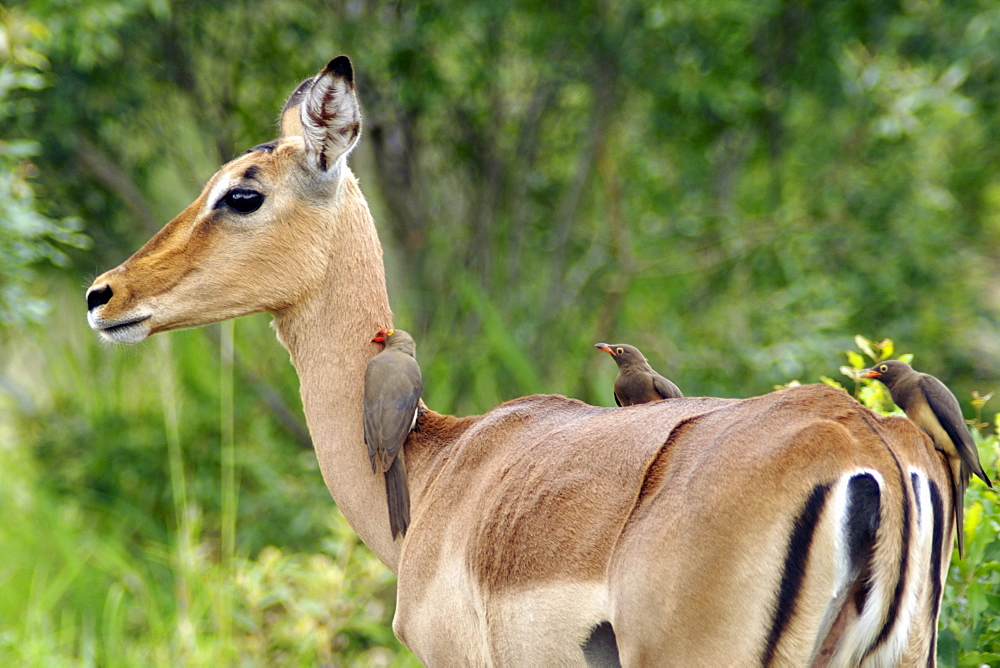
(931, 405)
(392, 394)
(637, 383)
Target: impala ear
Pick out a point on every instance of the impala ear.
(329, 116)
(291, 124)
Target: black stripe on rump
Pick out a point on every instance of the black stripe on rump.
(904, 560)
(796, 557)
(937, 545)
(915, 484)
(864, 499)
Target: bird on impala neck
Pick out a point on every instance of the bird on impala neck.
(392, 396)
(637, 383)
(932, 406)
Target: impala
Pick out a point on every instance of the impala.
(795, 528)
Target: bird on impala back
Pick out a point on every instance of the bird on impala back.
(932, 406)
(637, 383)
(392, 396)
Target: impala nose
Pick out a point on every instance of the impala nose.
(98, 296)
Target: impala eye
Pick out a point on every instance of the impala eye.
(243, 200)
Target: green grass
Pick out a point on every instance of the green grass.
(153, 514)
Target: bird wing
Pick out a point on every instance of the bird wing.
(949, 414)
(372, 431)
(389, 412)
(665, 388)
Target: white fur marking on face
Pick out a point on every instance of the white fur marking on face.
(218, 190)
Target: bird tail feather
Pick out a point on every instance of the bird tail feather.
(398, 496)
(958, 486)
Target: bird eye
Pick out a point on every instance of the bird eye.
(619, 351)
(390, 332)
(883, 368)
(243, 200)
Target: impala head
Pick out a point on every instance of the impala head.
(260, 235)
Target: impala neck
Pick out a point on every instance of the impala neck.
(328, 336)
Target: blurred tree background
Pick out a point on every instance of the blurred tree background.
(736, 187)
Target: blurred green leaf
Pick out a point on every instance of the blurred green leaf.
(831, 382)
(977, 659)
(866, 347)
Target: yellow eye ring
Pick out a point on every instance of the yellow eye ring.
(619, 351)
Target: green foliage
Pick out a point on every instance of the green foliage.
(111, 465)
(73, 598)
(27, 236)
(969, 632)
(330, 605)
(734, 187)
(109, 417)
